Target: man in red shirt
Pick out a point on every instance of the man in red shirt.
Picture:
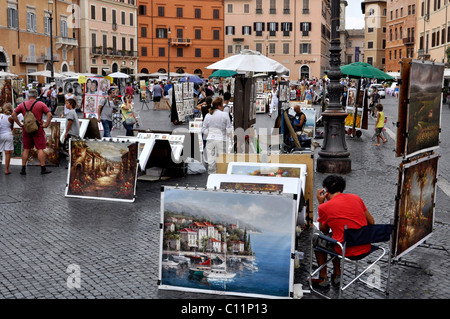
(129, 90)
(339, 210)
(38, 138)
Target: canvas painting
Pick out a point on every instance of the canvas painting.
(424, 109)
(350, 117)
(52, 135)
(102, 170)
(287, 185)
(208, 245)
(267, 169)
(145, 147)
(415, 213)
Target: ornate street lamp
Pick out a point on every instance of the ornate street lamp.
(334, 154)
(50, 20)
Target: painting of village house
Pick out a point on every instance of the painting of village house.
(209, 245)
(416, 207)
(52, 135)
(102, 170)
(267, 169)
(424, 109)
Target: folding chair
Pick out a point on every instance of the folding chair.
(354, 237)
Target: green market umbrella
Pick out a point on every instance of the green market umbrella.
(222, 74)
(364, 70)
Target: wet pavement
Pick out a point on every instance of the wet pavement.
(44, 235)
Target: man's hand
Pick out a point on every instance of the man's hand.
(321, 195)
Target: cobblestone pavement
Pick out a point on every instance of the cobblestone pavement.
(116, 245)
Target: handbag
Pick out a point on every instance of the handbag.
(130, 121)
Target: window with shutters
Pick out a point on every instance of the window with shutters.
(285, 48)
(64, 28)
(259, 6)
(161, 33)
(131, 19)
(179, 12)
(286, 6)
(259, 28)
(47, 25)
(92, 12)
(31, 21)
(198, 13)
(273, 7)
(246, 30)
(180, 52)
(272, 48)
(161, 12)
(143, 32)
(13, 18)
(305, 48)
(198, 53)
(272, 27)
(104, 14)
(122, 16)
(143, 51)
(216, 53)
(142, 10)
(162, 51)
(198, 34)
(216, 34)
(305, 6)
(258, 47)
(305, 27)
(286, 27)
(229, 30)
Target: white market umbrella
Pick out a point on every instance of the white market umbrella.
(249, 61)
(47, 74)
(4, 74)
(119, 75)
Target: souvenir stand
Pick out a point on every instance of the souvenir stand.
(182, 102)
(418, 131)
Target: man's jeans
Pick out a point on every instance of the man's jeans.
(107, 127)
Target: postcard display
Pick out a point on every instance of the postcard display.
(261, 97)
(184, 98)
(420, 104)
(96, 89)
(103, 170)
(208, 245)
(284, 95)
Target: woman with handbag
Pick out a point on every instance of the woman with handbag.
(129, 119)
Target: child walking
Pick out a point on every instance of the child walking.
(379, 125)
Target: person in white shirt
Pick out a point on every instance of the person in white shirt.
(215, 127)
(274, 102)
(68, 96)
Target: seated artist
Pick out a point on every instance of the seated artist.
(299, 120)
(336, 210)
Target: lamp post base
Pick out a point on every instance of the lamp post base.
(334, 165)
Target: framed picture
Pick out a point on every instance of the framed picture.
(84, 123)
(52, 135)
(208, 245)
(424, 109)
(267, 169)
(144, 150)
(415, 206)
(287, 185)
(350, 117)
(103, 170)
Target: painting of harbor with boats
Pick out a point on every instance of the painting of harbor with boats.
(227, 242)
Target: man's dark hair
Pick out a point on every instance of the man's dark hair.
(334, 184)
(227, 96)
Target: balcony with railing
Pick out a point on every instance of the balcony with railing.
(28, 59)
(66, 43)
(111, 52)
(408, 41)
(180, 42)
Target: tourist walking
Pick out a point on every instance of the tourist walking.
(105, 112)
(128, 116)
(380, 125)
(72, 124)
(6, 137)
(37, 138)
(157, 93)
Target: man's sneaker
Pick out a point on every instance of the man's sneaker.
(320, 283)
(335, 280)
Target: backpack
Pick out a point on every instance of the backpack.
(30, 123)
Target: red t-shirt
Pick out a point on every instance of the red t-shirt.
(129, 90)
(39, 109)
(341, 210)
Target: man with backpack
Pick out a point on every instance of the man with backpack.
(33, 128)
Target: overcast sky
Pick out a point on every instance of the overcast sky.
(354, 18)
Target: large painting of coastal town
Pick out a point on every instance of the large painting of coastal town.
(102, 170)
(424, 109)
(416, 209)
(227, 242)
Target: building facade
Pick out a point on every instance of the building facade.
(180, 36)
(354, 48)
(375, 32)
(433, 30)
(296, 34)
(25, 37)
(108, 36)
(400, 32)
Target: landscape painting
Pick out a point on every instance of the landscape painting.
(52, 135)
(102, 170)
(415, 213)
(209, 245)
(424, 109)
(267, 169)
